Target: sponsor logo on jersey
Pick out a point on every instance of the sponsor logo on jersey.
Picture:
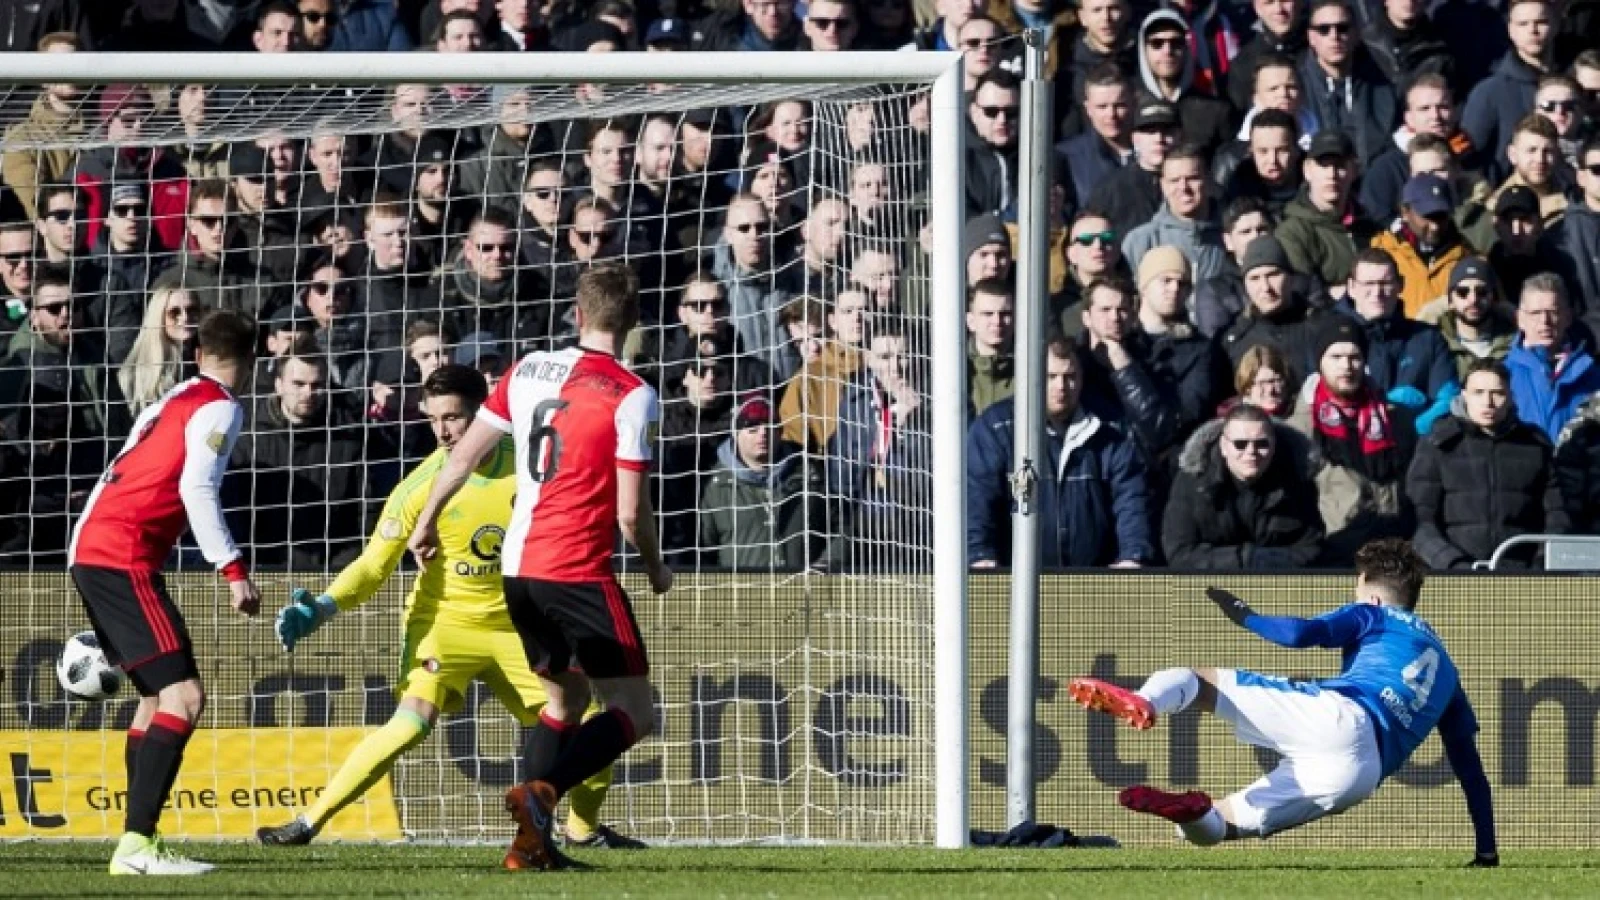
(487, 541)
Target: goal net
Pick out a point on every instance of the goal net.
(792, 227)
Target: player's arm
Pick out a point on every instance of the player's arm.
(1340, 628)
(636, 516)
(480, 440)
(208, 440)
(1458, 728)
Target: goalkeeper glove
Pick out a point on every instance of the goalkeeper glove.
(302, 616)
(1231, 605)
(1485, 861)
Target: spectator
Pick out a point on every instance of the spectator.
(1430, 155)
(396, 152)
(1575, 240)
(390, 285)
(1184, 220)
(265, 231)
(1280, 33)
(810, 403)
(703, 330)
(1499, 102)
(1364, 444)
(1551, 363)
(1106, 145)
(821, 250)
(1220, 298)
(459, 31)
(1407, 360)
(1105, 36)
(1131, 196)
(1405, 43)
(1093, 252)
(1093, 506)
(277, 27)
(497, 173)
(1482, 477)
(1167, 72)
(1115, 376)
(1535, 157)
(520, 30)
(1429, 109)
(1424, 242)
(888, 24)
(1277, 86)
(332, 186)
(1271, 169)
(992, 172)
(804, 321)
(991, 328)
(987, 246)
(27, 24)
(56, 120)
(481, 289)
(1243, 497)
(396, 398)
(871, 205)
(1557, 101)
(325, 295)
(316, 21)
(162, 354)
(756, 25)
(1520, 249)
(127, 160)
(298, 478)
(16, 272)
(1184, 362)
(61, 213)
(1577, 467)
(876, 271)
(1278, 314)
(1322, 229)
(761, 509)
(1473, 324)
(1586, 70)
(1345, 88)
(214, 265)
(1265, 379)
(830, 26)
(539, 225)
(944, 32)
(741, 262)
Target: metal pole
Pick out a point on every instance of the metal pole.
(1033, 238)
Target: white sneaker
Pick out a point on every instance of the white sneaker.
(139, 855)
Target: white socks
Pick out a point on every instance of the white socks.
(1171, 690)
(1205, 831)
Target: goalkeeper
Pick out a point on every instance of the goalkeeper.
(456, 625)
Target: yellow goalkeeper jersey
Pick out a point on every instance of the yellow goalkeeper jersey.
(461, 584)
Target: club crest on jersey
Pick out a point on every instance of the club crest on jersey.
(389, 529)
(431, 664)
(216, 441)
(487, 541)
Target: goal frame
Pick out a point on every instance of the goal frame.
(942, 71)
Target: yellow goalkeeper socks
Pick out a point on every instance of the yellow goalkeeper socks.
(368, 762)
(583, 804)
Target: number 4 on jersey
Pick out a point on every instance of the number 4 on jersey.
(1419, 676)
(544, 441)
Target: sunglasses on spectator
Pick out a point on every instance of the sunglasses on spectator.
(1089, 238)
(1558, 106)
(1341, 29)
(315, 17)
(976, 43)
(252, 177)
(598, 236)
(703, 305)
(1593, 169)
(61, 215)
(993, 112)
(824, 24)
(210, 222)
(1260, 445)
(55, 309)
(1172, 43)
(325, 287)
(494, 248)
(543, 193)
(183, 312)
(757, 227)
(127, 210)
(15, 259)
(1471, 290)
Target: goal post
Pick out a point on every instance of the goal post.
(883, 621)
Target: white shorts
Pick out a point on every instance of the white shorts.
(1330, 752)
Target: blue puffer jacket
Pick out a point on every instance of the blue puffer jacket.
(370, 26)
(1093, 505)
(1547, 403)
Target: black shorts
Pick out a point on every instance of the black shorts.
(139, 627)
(585, 625)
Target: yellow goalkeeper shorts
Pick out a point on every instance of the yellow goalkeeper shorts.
(440, 661)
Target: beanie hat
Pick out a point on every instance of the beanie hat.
(1264, 251)
(1163, 261)
(1336, 329)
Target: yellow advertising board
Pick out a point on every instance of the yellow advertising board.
(234, 780)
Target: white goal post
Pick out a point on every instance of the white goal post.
(928, 607)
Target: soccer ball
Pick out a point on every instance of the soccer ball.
(83, 671)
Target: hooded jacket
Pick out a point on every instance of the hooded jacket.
(1576, 243)
(1422, 280)
(1319, 243)
(1365, 107)
(27, 170)
(1212, 521)
(1473, 489)
(1206, 120)
(1547, 399)
(1403, 352)
(1495, 106)
(1094, 507)
(754, 299)
(760, 521)
(991, 175)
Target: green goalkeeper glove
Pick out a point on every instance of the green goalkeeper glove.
(302, 616)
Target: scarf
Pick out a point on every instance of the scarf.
(1355, 432)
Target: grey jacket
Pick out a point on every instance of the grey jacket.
(1199, 241)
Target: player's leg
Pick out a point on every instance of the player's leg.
(438, 669)
(1164, 693)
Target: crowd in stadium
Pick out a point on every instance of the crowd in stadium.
(1320, 271)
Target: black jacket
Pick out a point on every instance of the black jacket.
(1366, 108)
(1494, 108)
(1214, 522)
(1089, 161)
(1168, 389)
(1130, 197)
(1236, 172)
(1072, 72)
(1473, 490)
(991, 175)
(1576, 243)
(1290, 330)
(1403, 55)
(1242, 73)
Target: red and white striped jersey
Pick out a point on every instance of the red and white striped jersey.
(168, 476)
(577, 416)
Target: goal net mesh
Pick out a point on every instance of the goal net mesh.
(779, 235)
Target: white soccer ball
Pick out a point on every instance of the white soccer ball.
(83, 671)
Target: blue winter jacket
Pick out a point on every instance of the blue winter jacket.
(370, 26)
(1544, 403)
(1092, 502)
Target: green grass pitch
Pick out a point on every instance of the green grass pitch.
(78, 870)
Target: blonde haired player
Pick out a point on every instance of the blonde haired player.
(457, 628)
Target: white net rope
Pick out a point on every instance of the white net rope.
(779, 234)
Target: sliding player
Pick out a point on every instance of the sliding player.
(583, 425)
(166, 479)
(1339, 737)
(456, 627)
